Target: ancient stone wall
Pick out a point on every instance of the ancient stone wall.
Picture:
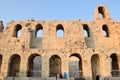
(94, 53)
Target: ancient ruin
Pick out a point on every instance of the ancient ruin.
(34, 50)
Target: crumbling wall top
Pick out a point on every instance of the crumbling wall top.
(1, 26)
(101, 12)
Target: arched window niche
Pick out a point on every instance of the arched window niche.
(86, 30)
(59, 31)
(105, 31)
(17, 31)
(39, 31)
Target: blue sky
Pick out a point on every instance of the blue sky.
(55, 9)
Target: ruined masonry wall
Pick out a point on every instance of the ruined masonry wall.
(73, 41)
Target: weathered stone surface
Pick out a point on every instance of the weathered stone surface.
(97, 54)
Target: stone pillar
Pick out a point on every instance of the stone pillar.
(4, 66)
(118, 61)
(65, 66)
(105, 65)
(23, 68)
(45, 67)
(87, 70)
(27, 37)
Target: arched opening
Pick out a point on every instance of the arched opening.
(115, 65)
(54, 65)
(95, 65)
(105, 30)
(60, 31)
(101, 12)
(34, 66)
(0, 61)
(39, 30)
(86, 30)
(75, 66)
(17, 31)
(14, 66)
(97, 77)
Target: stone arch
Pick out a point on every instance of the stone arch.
(97, 77)
(59, 31)
(14, 65)
(39, 30)
(101, 12)
(34, 66)
(17, 30)
(54, 65)
(105, 30)
(95, 66)
(86, 30)
(75, 65)
(0, 61)
(115, 64)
